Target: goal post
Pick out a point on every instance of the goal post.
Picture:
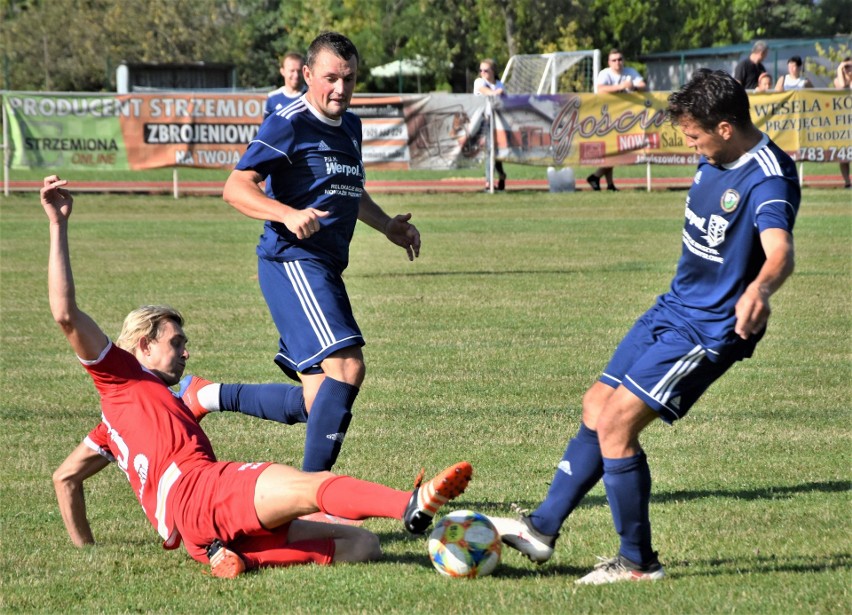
(552, 73)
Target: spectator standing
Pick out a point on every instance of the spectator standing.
(843, 81)
(309, 156)
(749, 69)
(793, 80)
(291, 67)
(737, 252)
(487, 84)
(613, 79)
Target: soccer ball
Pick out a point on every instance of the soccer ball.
(465, 544)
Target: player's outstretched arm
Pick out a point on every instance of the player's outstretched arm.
(397, 229)
(68, 478)
(84, 335)
(753, 309)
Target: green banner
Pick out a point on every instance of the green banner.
(65, 132)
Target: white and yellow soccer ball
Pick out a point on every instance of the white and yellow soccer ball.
(465, 544)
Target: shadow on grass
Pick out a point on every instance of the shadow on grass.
(665, 497)
(761, 564)
(505, 570)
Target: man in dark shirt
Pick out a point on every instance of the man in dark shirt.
(749, 70)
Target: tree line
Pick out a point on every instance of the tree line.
(75, 45)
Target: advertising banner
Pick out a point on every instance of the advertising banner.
(434, 131)
(612, 130)
(130, 131)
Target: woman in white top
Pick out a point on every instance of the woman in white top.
(793, 80)
(487, 84)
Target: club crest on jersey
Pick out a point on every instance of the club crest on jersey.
(730, 200)
(716, 230)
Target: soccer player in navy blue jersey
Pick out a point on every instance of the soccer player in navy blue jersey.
(737, 251)
(309, 155)
(291, 70)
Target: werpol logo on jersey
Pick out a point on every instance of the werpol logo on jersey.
(697, 179)
(333, 167)
(730, 199)
(716, 230)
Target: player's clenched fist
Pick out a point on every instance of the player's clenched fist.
(303, 222)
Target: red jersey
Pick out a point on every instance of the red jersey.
(152, 435)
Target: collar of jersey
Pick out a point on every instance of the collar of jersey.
(748, 155)
(322, 118)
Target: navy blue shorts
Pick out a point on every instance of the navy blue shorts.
(311, 310)
(658, 362)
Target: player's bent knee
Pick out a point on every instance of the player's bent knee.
(593, 402)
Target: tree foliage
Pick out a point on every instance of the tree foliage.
(75, 45)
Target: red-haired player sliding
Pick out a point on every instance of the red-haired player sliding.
(234, 515)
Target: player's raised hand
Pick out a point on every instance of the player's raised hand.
(303, 222)
(55, 199)
(400, 231)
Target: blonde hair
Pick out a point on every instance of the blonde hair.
(145, 323)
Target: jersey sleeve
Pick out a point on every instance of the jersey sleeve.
(776, 204)
(98, 441)
(270, 149)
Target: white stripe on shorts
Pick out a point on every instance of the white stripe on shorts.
(311, 307)
(663, 391)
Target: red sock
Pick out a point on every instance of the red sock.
(272, 549)
(350, 498)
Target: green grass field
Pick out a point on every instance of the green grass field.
(480, 350)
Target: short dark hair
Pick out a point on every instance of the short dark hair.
(292, 55)
(334, 42)
(797, 60)
(711, 97)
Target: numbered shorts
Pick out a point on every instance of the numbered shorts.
(311, 310)
(216, 500)
(664, 368)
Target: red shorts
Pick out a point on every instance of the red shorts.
(216, 500)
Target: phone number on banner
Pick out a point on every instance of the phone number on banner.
(825, 154)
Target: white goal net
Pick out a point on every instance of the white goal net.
(552, 73)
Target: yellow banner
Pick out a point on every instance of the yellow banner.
(619, 129)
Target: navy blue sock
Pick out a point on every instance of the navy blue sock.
(580, 469)
(327, 424)
(628, 489)
(283, 403)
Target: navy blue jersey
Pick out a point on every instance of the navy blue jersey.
(309, 160)
(726, 210)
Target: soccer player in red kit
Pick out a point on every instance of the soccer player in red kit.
(234, 515)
